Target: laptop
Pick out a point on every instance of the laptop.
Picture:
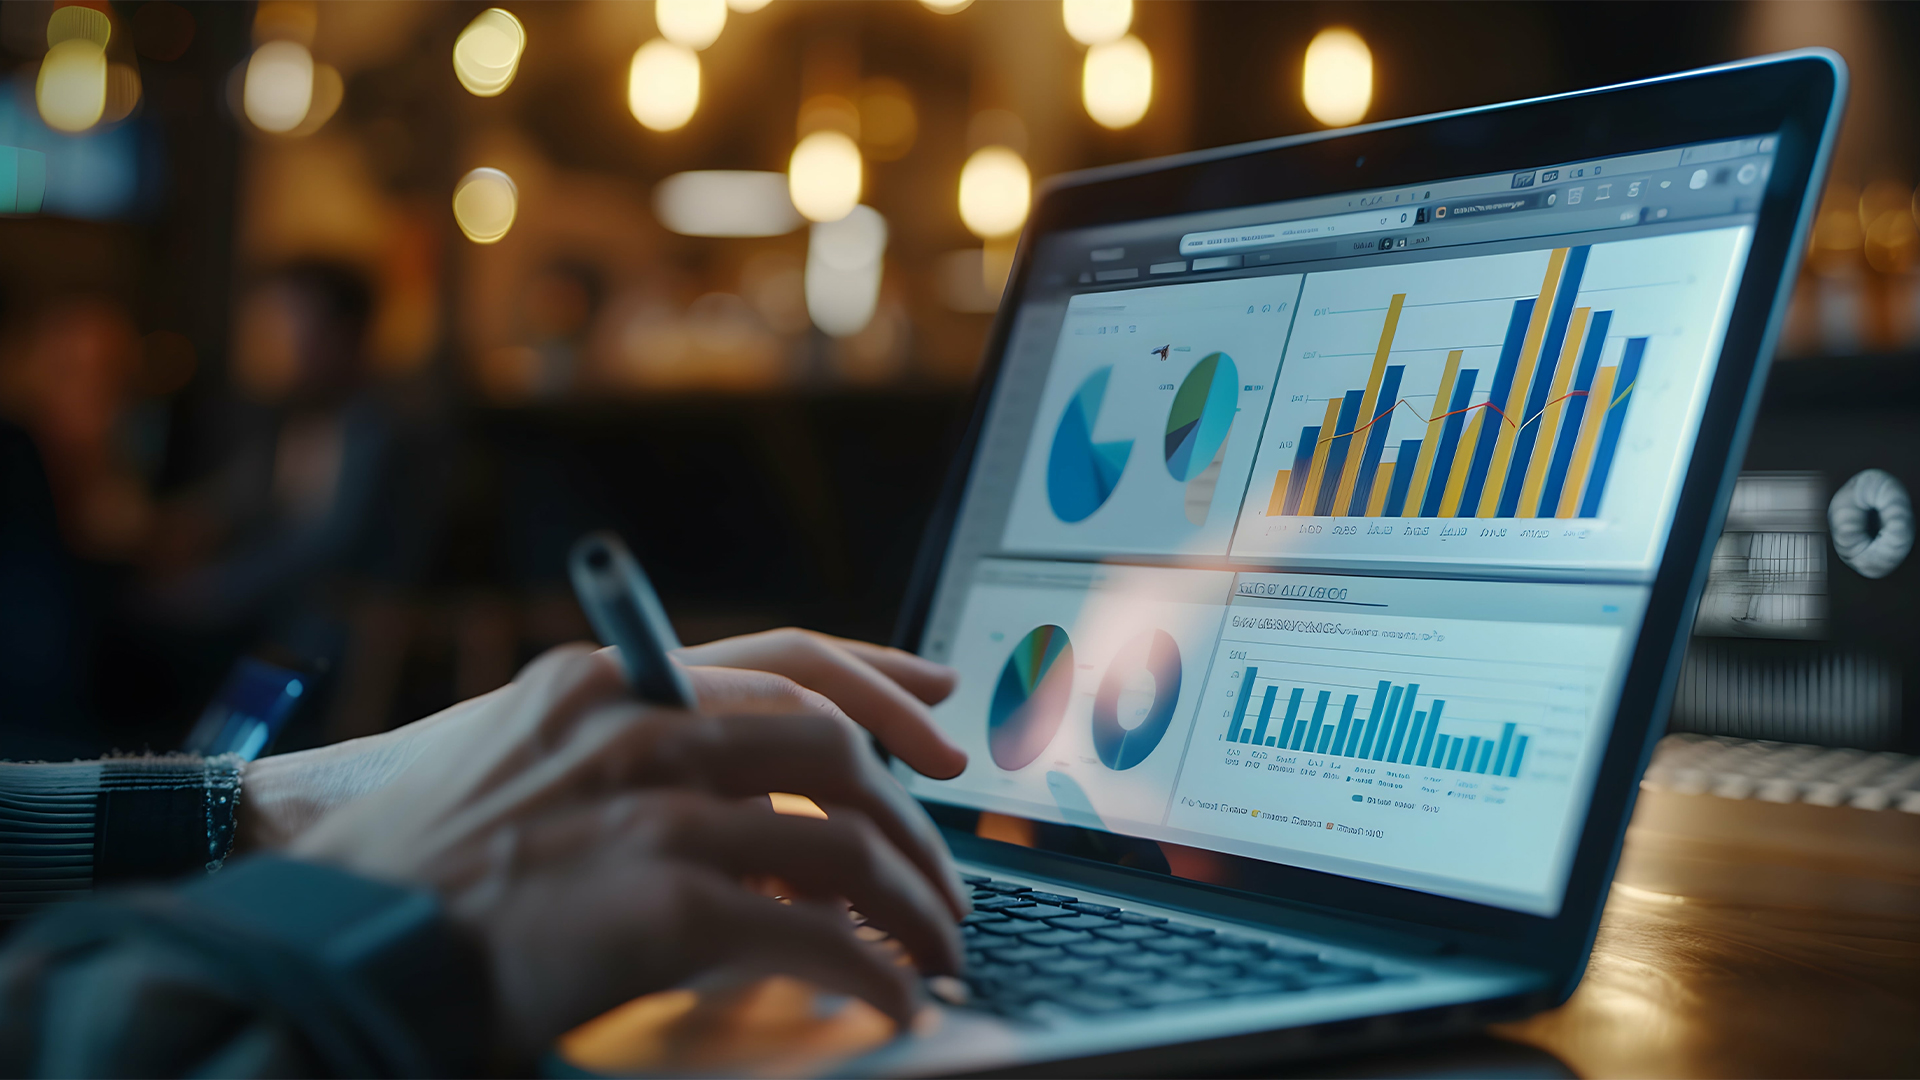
(1319, 558)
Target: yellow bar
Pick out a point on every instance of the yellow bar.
(1377, 498)
(1350, 474)
(1423, 468)
(1550, 415)
(1279, 497)
(1598, 400)
(1517, 393)
(1311, 494)
(1462, 459)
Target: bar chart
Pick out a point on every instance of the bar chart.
(1401, 730)
(1548, 394)
(1392, 730)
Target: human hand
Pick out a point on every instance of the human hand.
(794, 671)
(884, 690)
(601, 849)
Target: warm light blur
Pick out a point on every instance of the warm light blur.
(1096, 22)
(77, 22)
(844, 261)
(795, 805)
(746, 7)
(1337, 81)
(946, 7)
(329, 90)
(72, 88)
(694, 24)
(484, 204)
(1117, 83)
(663, 85)
(486, 55)
(279, 87)
(888, 123)
(824, 176)
(719, 203)
(995, 188)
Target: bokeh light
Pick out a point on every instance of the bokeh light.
(484, 204)
(995, 188)
(693, 24)
(746, 7)
(725, 203)
(75, 22)
(71, 91)
(486, 55)
(663, 85)
(844, 261)
(824, 176)
(1096, 22)
(279, 86)
(888, 122)
(1116, 85)
(1337, 79)
(946, 7)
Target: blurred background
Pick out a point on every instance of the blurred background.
(326, 327)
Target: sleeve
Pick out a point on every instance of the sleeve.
(67, 827)
(275, 967)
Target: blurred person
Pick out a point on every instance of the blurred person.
(448, 911)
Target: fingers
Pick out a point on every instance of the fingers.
(826, 761)
(876, 699)
(845, 856)
(735, 928)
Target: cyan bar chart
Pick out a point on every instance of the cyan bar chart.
(1399, 727)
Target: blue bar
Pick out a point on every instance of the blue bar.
(1386, 726)
(1266, 710)
(1293, 710)
(1376, 440)
(1433, 727)
(1308, 733)
(1500, 762)
(1413, 736)
(1473, 747)
(1610, 435)
(1440, 752)
(1453, 754)
(1346, 720)
(1502, 389)
(1519, 751)
(1400, 725)
(1240, 709)
(1374, 725)
(1543, 370)
(1269, 740)
(1449, 441)
(1302, 464)
(1363, 736)
(1403, 466)
(1576, 410)
(1246, 736)
(1337, 453)
(1486, 751)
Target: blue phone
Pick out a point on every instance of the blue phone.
(250, 711)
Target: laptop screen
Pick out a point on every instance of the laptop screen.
(1320, 532)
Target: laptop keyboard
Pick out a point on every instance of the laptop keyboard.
(1029, 951)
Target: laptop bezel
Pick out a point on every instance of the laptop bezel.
(1797, 96)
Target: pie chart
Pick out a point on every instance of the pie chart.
(1136, 699)
(1202, 412)
(1081, 473)
(1031, 697)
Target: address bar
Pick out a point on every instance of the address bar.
(1281, 232)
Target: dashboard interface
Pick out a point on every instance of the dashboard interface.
(1321, 532)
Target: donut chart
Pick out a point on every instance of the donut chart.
(1135, 702)
(1030, 698)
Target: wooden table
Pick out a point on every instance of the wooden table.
(1741, 938)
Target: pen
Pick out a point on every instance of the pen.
(625, 612)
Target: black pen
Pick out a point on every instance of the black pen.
(625, 612)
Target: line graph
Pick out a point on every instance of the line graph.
(1547, 395)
